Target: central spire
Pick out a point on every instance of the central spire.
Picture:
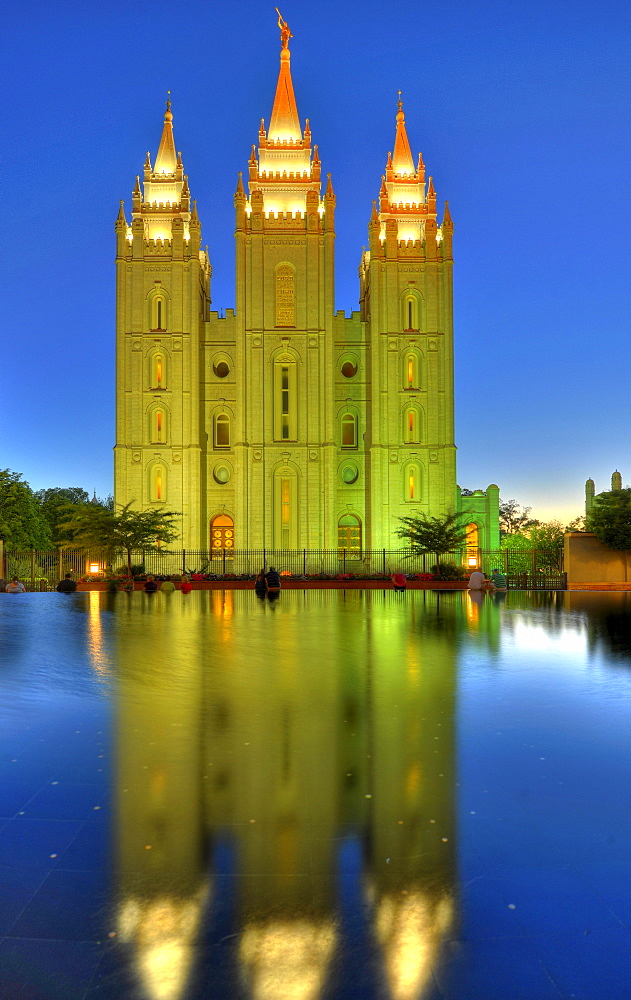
(284, 122)
(402, 161)
(166, 159)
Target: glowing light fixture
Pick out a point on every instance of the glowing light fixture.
(94, 567)
(472, 561)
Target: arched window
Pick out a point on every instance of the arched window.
(410, 319)
(221, 534)
(349, 430)
(412, 482)
(411, 374)
(221, 435)
(157, 370)
(157, 483)
(158, 311)
(158, 425)
(285, 296)
(412, 425)
(349, 534)
(285, 403)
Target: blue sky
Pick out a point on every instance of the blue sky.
(522, 115)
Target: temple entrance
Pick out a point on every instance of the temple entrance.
(349, 535)
(221, 536)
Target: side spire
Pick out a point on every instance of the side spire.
(284, 122)
(402, 158)
(166, 160)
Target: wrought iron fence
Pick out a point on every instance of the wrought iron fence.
(524, 568)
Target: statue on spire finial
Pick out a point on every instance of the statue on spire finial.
(168, 100)
(285, 33)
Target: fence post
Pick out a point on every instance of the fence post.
(304, 562)
(60, 566)
(223, 552)
(184, 560)
(32, 567)
(384, 562)
(343, 560)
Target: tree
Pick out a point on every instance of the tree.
(514, 518)
(97, 528)
(610, 519)
(22, 524)
(56, 505)
(434, 534)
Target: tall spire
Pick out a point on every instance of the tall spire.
(284, 122)
(402, 158)
(166, 160)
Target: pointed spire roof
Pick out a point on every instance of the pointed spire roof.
(166, 160)
(284, 121)
(402, 158)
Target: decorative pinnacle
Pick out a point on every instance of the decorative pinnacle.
(168, 116)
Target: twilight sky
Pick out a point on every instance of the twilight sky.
(521, 112)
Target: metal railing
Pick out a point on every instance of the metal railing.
(525, 569)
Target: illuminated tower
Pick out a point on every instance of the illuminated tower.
(162, 296)
(284, 439)
(407, 304)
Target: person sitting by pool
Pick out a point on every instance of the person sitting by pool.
(15, 587)
(477, 581)
(150, 585)
(399, 582)
(260, 584)
(167, 586)
(272, 580)
(498, 580)
(185, 584)
(67, 585)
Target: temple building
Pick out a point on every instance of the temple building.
(285, 424)
(590, 490)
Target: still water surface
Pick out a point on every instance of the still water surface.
(350, 795)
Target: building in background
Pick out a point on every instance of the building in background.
(590, 490)
(286, 424)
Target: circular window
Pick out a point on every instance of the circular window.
(350, 473)
(349, 369)
(221, 369)
(221, 474)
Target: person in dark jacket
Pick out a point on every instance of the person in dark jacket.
(150, 585)
(67, 585)
(272, 580)
(260, 584)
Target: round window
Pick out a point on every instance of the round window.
(349, 369)
(221, 369)
(221, 473)
(350, 473)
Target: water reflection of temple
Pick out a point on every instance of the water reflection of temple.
(285, 794)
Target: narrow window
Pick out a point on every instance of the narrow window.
(411, 378)
(285, 415)
(410, 315)
(285, 501)
(159, 310)
(412, 483)
(159, 372)
(158, 426)
(159, 484)
(222, 431)
(349, 431)
(411, 426)
(284, 409)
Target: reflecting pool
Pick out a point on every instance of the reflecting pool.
(343, 795)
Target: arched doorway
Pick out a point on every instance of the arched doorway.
(349, 534)
(221, 536)
(472, 542)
